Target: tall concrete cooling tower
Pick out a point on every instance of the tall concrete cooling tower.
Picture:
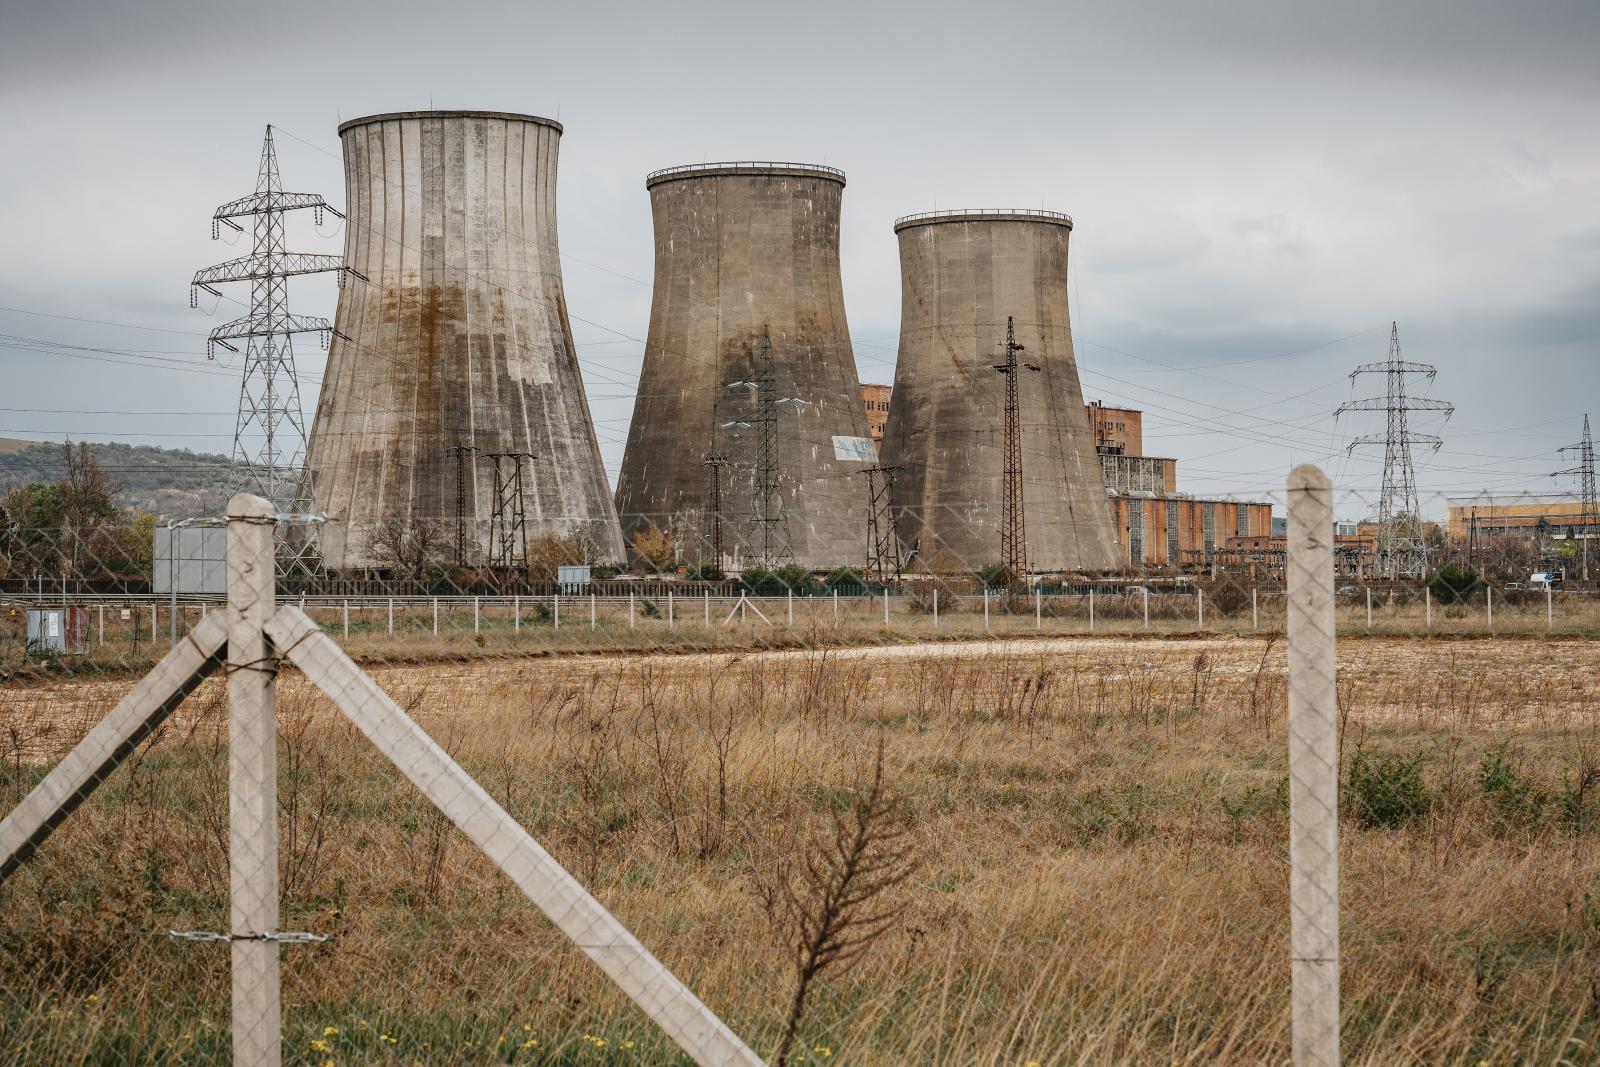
(962, 273)
(743, 248)
(455, 337)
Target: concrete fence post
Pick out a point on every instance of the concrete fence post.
(102, 624)
(670, 624)
(516, 613)
(436, 616)
(1313, 773)
(592, 622)
(708, 609)
(1427, 601)
(1549, 607)
(153, 624)
(252, 784)
(986, 608)
(789, 608)
(1145, 589)
(555, 609)
(630, 610)
(474, 614)
(936, 609)
(1255, 610)
(345, 615)
(1200, 608)
(391, 616)
(1369, 607)
(1091, 609)
(1488, 606)
(836, 607)
(1038, 608)
(886, 607)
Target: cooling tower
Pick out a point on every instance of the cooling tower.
(452, 335)
(962, 273)
(742, 248)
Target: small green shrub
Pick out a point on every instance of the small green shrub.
(1454, 584)
(1386, 792)
(1517, 798)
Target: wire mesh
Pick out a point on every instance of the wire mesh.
(1092, 774)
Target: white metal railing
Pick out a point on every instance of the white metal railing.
(742, 165)
(956, 213)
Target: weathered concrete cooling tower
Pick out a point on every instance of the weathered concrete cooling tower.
(457, 337)
(961, 274)
(742, 247)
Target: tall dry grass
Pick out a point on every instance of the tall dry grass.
(1101, 832)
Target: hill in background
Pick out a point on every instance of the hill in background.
(172, 483)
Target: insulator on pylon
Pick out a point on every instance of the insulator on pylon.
(316, 216)
(323, 335)
(194, 297)
(211, 350)
(214, 232)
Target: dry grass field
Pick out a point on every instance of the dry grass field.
(1100, 830)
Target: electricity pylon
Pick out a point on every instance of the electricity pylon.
(269, 437)
(883, 547)
(715, 463)
(1402, 548)
(769, 519)
(508, 526)
(1589, 515)
(461, 454)
(1013, 524)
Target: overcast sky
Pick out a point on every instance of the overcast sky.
(1258, 189)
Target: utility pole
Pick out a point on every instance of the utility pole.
(508, 526)
(769, 520)
(1589, 515)
(269, 437)
(460, 453)
(883, 547)
(1402, 547)
(1013, 527)
(715, 463)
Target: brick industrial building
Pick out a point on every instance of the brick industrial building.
(1157, 526)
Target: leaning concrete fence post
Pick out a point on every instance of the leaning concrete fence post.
(252, 783)
(1313, 773)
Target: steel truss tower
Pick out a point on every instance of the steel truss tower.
(1013, 525)
(769, 523)
(883, 546)
(461, 454)
(1589, 516)
(715, 463)
(508, 526)
(1402, 547)
(269, 438)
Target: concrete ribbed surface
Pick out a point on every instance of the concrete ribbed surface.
(738, 248)
(961, 276)
(460, 336)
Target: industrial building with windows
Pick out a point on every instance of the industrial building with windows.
(1157, 526)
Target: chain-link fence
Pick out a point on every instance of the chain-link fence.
(688, 820)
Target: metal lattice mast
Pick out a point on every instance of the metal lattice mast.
(508, 526)
(883, 547)
(715, 463)
(1013, 524)
(269, 437)
(461, 453)
(769, 519)
(1402, 548)
(1589, 515)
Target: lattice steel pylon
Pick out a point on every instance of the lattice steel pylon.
(883, 545)
(269, 438)
(461, 454)
(1402, 546)
(1589, 513)
(769, 523)
(1013, 521)
(508, 526)
(715, 463)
